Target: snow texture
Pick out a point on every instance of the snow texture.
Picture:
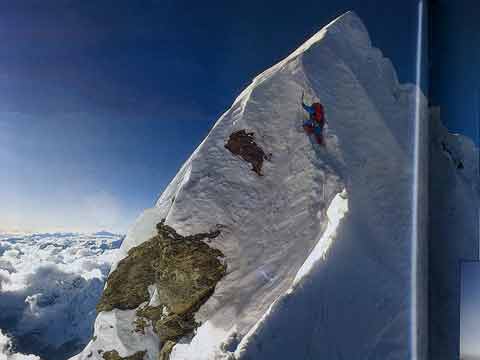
(319, 248)
(50, 284)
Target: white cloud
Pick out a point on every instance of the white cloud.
(50, 286)
(6, 352)
(94, 211)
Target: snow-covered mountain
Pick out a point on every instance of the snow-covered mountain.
(49, 286)
(267, 246)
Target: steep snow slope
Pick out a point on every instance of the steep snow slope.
(318, 250)
(454, 233)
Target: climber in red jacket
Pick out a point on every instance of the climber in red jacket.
(314, 125)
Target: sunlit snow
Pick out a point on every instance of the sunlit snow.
(335, 213)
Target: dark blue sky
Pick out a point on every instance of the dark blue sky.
(102, 101)
(455, 58)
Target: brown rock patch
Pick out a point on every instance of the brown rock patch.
(113, 355)
(242, 143)
(184, 270)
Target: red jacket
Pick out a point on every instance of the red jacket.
(316, 112)
(318, 115)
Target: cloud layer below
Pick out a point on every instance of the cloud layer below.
(49, 286)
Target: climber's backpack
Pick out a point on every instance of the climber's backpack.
(318, 114)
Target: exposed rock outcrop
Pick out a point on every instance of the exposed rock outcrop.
(113, 355)
(242, 143)
(166, 350)
(184, 271)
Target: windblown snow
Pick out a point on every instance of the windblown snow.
(318, 249)
(49, 286)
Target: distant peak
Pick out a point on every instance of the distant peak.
(349, 20)
(347, 27)
(346, 17)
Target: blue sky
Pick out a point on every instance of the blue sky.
(455, 58)
(101, 102)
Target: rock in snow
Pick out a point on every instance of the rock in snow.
(317, 250)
